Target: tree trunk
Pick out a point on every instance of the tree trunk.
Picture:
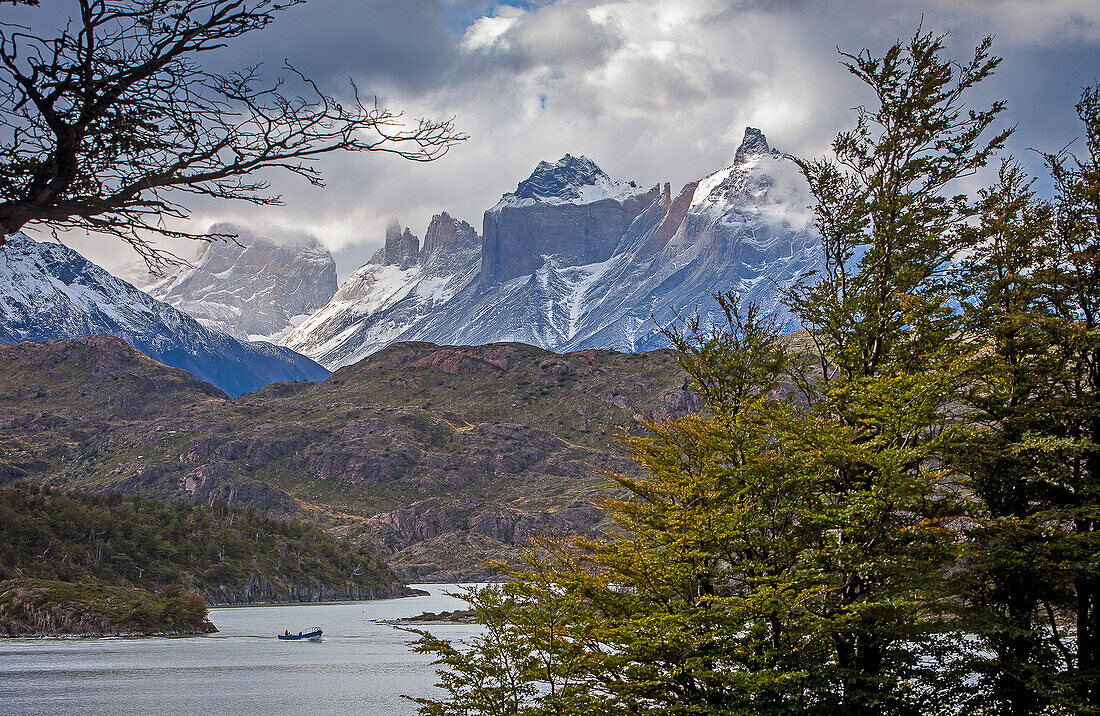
(1014, 696)
(859, 656)
(1088, 584)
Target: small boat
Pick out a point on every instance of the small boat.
(313, 634)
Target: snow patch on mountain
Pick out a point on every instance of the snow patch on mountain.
(49, 291)
(707, 185)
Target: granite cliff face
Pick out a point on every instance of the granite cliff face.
(569, 210)
(448, 243)
(574, 260)
(252, 288)
(48, 291)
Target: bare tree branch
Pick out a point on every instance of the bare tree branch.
(108, 125)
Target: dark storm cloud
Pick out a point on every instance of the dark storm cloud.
(403, 42)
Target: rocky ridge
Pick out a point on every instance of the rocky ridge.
(439, 457)
(377, 303)
(400, 248)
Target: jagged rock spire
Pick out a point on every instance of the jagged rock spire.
(401, 248)
(753, 145)
(445, 233)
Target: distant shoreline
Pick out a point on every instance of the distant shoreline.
(413, 592)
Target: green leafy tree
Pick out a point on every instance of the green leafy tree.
(697, 604)
(129, 540)
(883, 322)
(1030, 576)
(1071, 282)
(1014, 582)
(784, 551)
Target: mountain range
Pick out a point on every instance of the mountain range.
(573, 260)
(49, 291)
(570, 260)
(439, 456)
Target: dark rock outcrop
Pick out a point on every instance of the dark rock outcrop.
(257, 589)
(401, 249)
(37, 607)
(754, 144)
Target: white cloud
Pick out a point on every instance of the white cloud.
(487, 31)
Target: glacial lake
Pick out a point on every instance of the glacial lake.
(360, 667)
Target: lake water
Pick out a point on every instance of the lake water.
(360, 667)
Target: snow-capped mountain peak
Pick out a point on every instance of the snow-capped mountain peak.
(570, 180)
(49, 291)
(381, 300)
(755, 168)
(570, 209)
(561, 180)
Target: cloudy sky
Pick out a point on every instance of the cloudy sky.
(651, 90)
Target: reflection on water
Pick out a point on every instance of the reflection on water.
(360, 666)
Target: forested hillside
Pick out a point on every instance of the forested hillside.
(162, 559)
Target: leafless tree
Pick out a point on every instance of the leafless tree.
(109, 125)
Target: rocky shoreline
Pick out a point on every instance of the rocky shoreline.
(332, 597)
(259, 591)
(54, 609)
(40, 607)
(458, 616)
